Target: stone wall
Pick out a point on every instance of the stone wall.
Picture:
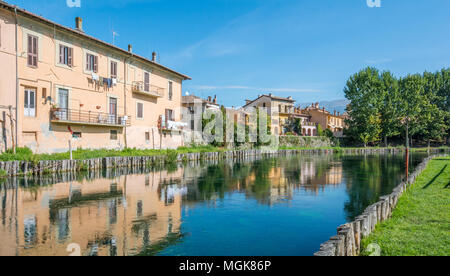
(347, 242)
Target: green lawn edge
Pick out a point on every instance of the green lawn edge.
(420, 224)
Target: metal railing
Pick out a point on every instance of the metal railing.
(64, 115)
(148, 89)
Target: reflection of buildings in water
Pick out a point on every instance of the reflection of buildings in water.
(105, 216)
(316, 176)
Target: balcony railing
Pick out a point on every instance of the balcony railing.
(79, 117)
(148, 89)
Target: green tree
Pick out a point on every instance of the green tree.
(363, 91)
(293, 125)
(412, 91)
(391, 100)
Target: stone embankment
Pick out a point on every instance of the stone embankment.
(347, 242)
(18, 168)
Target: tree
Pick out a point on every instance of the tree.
(432, 119)
(390, 125)
(413, 99)
(293, 125)
(363, 91)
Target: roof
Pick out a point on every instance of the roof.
(272, 98)
(193, 98)
(28, 14)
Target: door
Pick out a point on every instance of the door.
(63, 103)
(113, 111)
(30, 102)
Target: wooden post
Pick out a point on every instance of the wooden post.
(407, 164)
(153, 137)
(11, 122)
(5, 139)
(70, 149)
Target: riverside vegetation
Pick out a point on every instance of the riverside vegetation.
(420, 223)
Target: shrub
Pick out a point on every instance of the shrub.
(171, 156)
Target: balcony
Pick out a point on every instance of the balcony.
(79, 117)
(149, 90)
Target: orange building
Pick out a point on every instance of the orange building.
(327, 120)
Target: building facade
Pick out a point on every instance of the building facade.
(278, 108)
(327, 120)
(67, 85)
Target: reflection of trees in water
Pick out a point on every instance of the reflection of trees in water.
(369, 177)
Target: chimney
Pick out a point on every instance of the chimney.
(339, 113)
(79, 24)
(130, 48)
(215, 99)
(317, 105)
(335, 113)
(154, 55)
(247, 101)
(209, 98)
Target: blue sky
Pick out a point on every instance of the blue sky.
(237, 49)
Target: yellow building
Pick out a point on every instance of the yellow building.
(327, 120)
(68, 85)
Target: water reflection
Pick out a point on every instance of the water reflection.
(151, 212)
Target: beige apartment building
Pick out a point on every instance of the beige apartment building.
(63, 84)
(278, 108)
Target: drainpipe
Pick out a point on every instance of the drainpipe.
(17, 83)
(125, 81)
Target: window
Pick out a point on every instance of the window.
(147, 136)
(146, 82)
(30, 103)
(140, 110)
(65, 55)
(32, 51)
(91, 63)
(170, 115)
(113, 69)
(113, 135)
(44, 93)
(76, 135)
(170, 90)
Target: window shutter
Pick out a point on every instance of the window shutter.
(69, 58)
(30, 50)
(35, 51)
(61, 55)
(95, 64)
(87, 62)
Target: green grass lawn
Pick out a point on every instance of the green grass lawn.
(420, 225)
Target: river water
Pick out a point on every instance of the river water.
(275, 206)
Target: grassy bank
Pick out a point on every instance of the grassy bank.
(24, 154)
(420, 225)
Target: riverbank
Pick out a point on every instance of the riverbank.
(347, 242)
(419, 226)
(27, 163)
